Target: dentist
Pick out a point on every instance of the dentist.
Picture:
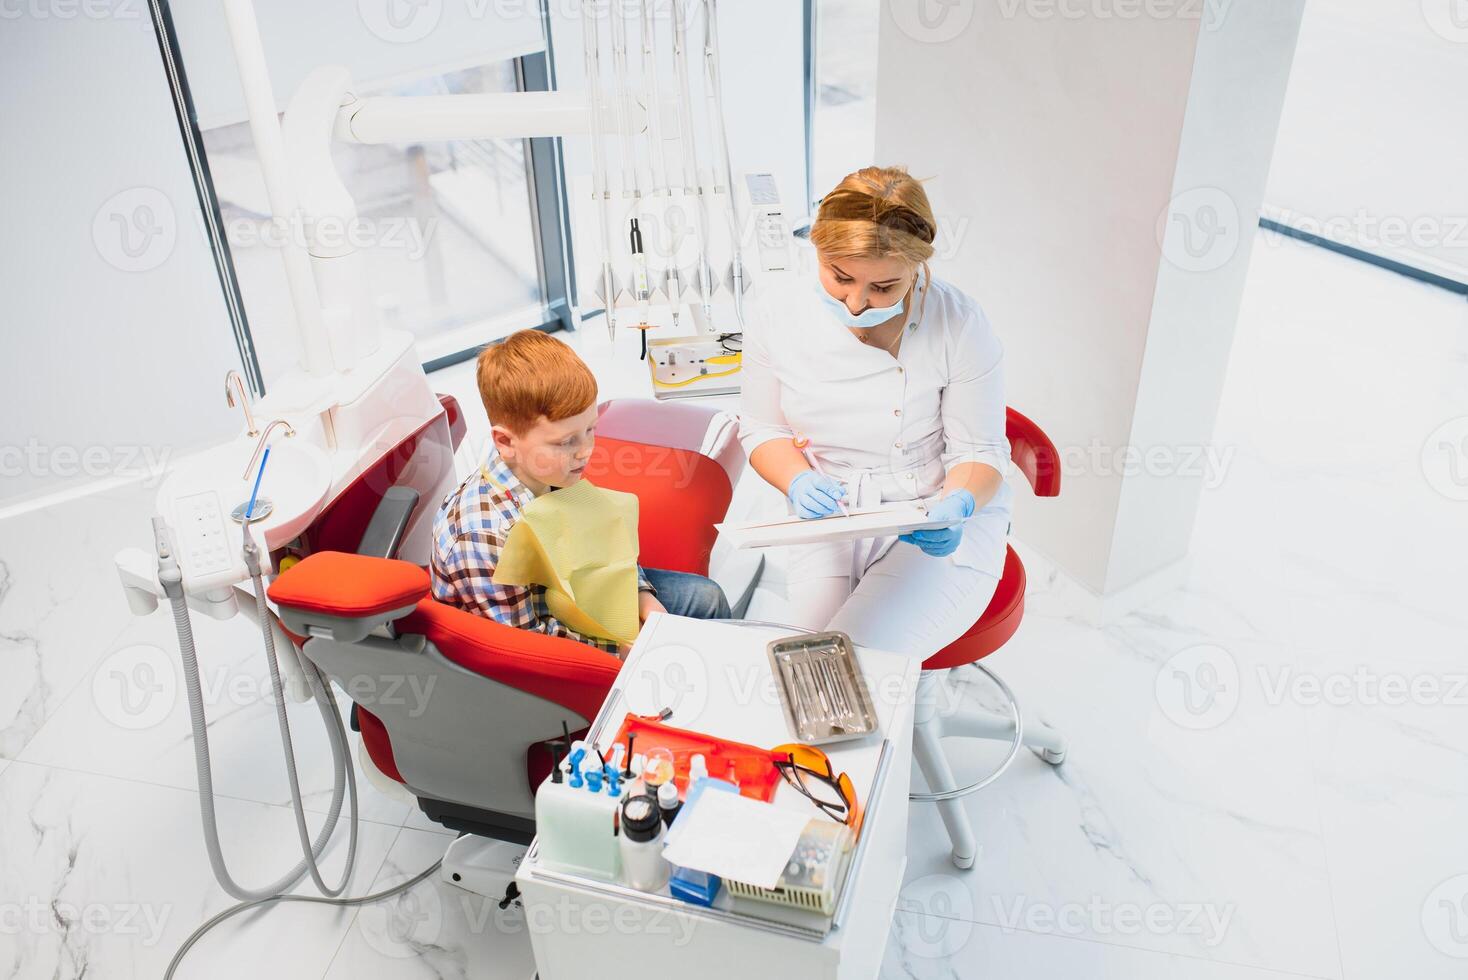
(896, 381)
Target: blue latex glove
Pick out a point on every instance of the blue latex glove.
(958, 505)
(814, 495)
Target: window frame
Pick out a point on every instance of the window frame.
(545, 180)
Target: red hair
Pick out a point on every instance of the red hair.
(531, 374)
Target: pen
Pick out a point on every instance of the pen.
(803, 444)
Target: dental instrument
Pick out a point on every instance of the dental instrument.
(658, 164)
(600, 192)
(630, 175)
(689, 140)
(714, 92)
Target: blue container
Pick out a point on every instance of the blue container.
(697, 887)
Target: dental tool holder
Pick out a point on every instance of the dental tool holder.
(821, 688)
(663, 194)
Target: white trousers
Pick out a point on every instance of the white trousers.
(905, 601)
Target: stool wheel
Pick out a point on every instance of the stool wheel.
(1051, 756)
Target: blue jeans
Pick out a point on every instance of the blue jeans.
(685, 594)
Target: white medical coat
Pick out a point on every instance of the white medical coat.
(888, 428)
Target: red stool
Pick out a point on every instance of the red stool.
(937, 716)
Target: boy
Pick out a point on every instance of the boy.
(541, 402)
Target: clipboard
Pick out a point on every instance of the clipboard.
(886, 520)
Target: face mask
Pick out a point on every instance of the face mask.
(866, 319)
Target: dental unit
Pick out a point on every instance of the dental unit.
(356, 436)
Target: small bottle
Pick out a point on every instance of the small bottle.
(668, 803)
(698, 768)
(643, 864)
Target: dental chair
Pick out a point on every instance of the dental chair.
(938, 713)
(459, 711)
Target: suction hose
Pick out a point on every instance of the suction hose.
(344, 779)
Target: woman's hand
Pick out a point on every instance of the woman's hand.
(938, 542)
(815, 495)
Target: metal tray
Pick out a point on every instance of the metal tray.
(821, 688)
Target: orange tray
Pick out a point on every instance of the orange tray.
(751, 767)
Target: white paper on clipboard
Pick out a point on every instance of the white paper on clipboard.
(887, 520)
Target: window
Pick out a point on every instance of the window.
(459, 240)
(843, 92)
(445, 229)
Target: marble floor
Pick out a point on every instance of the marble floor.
(1268, 774)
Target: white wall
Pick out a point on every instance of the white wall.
(1373, 139)
(116, 343)
(1054, 144)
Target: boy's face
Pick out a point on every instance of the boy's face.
(549, 454)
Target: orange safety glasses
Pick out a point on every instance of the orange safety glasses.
(832, 792)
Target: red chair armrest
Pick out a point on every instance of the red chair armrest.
(334, 583)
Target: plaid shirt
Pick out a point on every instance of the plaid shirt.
(469, 532)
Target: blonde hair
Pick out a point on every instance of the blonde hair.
(874, 213)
